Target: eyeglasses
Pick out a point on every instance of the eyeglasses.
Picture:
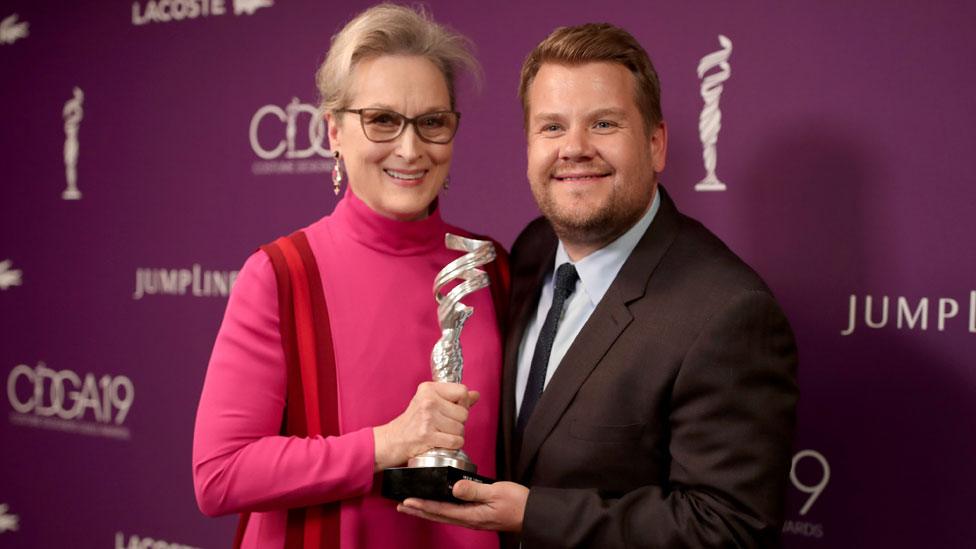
(382, 125)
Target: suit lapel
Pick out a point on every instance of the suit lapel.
(601, 330)
(603, 327)
(526, 288)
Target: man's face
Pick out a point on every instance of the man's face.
(591, 163)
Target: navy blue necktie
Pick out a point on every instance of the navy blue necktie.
(566, 277)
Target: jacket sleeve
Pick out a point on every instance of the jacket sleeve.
(240, 461)
(731, 419)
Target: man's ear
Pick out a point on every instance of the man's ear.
(659, 146)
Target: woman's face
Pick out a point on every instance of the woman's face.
(400, 178)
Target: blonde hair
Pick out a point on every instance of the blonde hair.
(595, 42)
(390, 29)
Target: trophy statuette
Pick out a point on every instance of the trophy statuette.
(431, 475)
(710, 119)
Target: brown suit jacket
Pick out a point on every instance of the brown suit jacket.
(669, 422)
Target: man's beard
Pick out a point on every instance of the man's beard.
(596, 227)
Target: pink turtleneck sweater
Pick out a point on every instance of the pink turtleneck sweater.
(377, 275)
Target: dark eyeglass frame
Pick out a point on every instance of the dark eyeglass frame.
(405, 121)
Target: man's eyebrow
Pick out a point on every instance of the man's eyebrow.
(599, 113)
(546, 116)
(610, 111)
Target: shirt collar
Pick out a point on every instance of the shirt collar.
(597, 270)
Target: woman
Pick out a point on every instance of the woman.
(387, 90)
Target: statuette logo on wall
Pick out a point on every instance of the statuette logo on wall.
(65, 401)
(136, 542)
(11, 30)
(902, 313)
(166, 11)
(9, 277)
(194, 281)
(8, 522)
(710, 119)
(73, 113)
(282, 148)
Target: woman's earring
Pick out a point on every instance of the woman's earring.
(336, 173)
(447, 183)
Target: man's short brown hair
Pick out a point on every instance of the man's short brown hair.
(595, 42)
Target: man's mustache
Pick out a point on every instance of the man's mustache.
(589, 169)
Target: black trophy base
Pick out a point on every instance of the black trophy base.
(434, 483)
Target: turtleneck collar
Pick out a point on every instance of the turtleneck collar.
(386, 235)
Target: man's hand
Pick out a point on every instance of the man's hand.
(499, 506)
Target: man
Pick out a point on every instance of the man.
(649, 392)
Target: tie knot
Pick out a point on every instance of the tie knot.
(566, 277)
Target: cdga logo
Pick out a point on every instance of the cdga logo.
(275, 138)
(65, 401)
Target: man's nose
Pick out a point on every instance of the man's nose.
(577, 144)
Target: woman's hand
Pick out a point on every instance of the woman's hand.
(434, 419)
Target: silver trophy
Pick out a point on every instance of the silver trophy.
(73, 113)
(431, 474)
(710, 119)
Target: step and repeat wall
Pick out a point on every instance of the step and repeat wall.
(148, 147)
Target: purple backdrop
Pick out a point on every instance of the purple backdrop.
(846, 132)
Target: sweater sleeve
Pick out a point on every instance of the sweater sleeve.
(240, 460)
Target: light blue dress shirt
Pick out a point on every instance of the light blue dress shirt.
(596, 272)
